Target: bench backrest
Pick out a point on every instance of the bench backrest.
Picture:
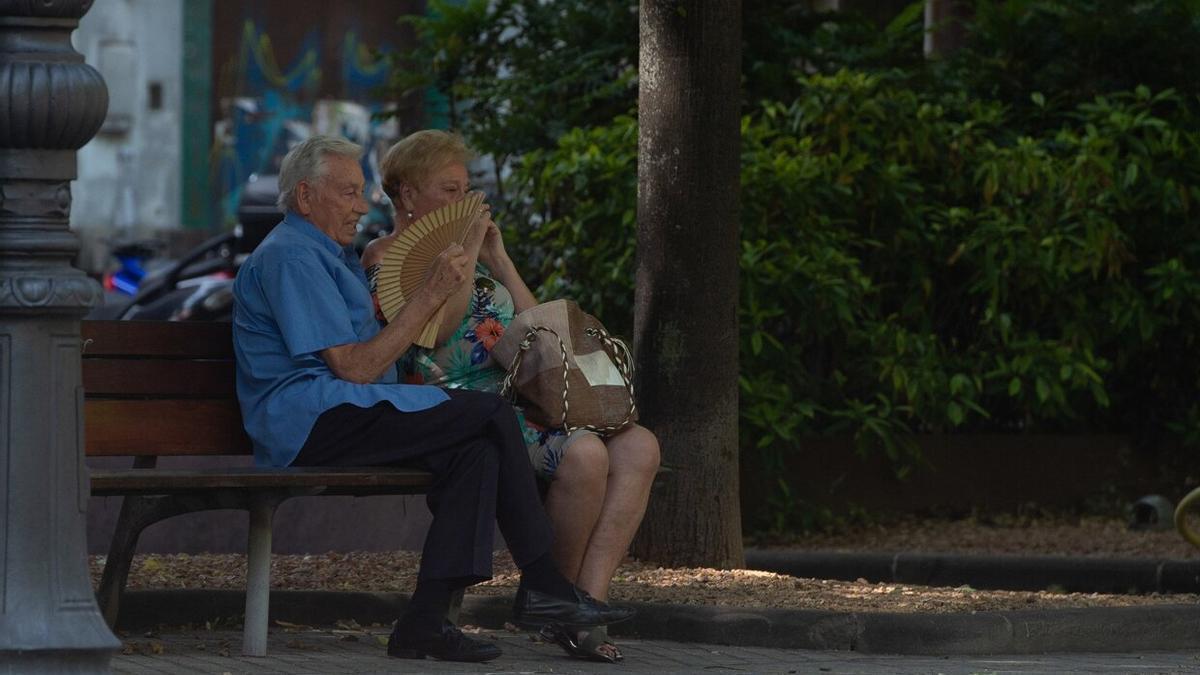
(160, 388)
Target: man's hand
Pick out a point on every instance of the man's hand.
(447, 274)
(364, 362)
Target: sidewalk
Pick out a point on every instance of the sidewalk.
(690, 638)
(1080, 630)
(333, 652)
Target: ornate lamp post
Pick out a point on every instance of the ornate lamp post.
(51, 103)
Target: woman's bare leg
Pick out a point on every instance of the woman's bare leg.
(595, 516)
(574, 500)
(633, 459)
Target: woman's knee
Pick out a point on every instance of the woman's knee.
(585, 459)
(635, 450)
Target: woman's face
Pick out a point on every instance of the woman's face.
(444, 186)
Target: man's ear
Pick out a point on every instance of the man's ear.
(305, 196)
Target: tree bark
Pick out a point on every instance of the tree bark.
(945, 26)
(685, 319)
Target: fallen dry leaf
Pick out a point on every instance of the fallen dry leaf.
(646, 582)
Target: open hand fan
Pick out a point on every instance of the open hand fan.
(407, 261)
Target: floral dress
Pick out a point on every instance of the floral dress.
(465, 362)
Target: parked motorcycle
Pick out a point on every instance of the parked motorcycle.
(190, 288)
(132, 267)
(199, 286)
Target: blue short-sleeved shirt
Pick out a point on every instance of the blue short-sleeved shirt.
(296, 295)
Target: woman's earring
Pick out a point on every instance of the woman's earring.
(410, 215)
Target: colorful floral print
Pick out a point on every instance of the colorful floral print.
(465, 362)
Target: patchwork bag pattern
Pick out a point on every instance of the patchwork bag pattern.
(567, 370)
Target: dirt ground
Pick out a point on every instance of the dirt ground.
(639, 581)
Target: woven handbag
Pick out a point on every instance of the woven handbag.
(567, 371)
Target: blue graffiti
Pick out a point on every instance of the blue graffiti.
(277, 109)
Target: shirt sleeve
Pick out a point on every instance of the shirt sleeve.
(309, 309)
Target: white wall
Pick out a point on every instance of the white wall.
(134, 44)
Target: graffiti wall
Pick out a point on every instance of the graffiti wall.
(286, 70)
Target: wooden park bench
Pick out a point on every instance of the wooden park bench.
(158, 388)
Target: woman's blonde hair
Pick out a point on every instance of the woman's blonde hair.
(414, 158)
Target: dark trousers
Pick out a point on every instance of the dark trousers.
(473, 446)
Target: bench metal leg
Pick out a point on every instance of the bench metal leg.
(137, 513)
(140, 511)
(258, 578)
(130, 524)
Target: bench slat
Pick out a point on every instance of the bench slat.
(389, 480)
(155, 388)
(168, 339)
(164, 427)
(159, 378)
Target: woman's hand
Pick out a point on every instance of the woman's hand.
(494, 257)
(492, 253)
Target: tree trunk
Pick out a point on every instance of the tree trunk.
(945, 26)
(685, 320)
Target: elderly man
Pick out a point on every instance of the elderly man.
(317, 385)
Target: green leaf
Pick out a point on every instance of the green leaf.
(954, 413)
(1014, 386)
(1043, 390)
(1131, 175)
(959, 383)
(908, 17)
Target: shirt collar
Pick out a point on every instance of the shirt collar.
(305, 227)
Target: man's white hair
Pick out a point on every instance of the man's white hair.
(306, 162)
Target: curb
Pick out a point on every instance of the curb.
(995, 572)
(1107, 629)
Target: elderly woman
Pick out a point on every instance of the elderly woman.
(598, 486)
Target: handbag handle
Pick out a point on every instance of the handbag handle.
(531, 335)
(616, 350)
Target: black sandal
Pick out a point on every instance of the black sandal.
(588, 648)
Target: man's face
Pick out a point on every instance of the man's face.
(334, 202)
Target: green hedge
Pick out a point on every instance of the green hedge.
(1000, 241)
(912, 263)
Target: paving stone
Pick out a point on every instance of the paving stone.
(183, 655)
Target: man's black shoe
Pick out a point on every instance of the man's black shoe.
(534, 609)
(447, 645)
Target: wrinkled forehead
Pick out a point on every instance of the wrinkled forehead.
(339, 170)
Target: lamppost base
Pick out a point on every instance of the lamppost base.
(53, 103)
(55, 662)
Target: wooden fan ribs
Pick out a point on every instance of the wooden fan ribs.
(407, 261)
